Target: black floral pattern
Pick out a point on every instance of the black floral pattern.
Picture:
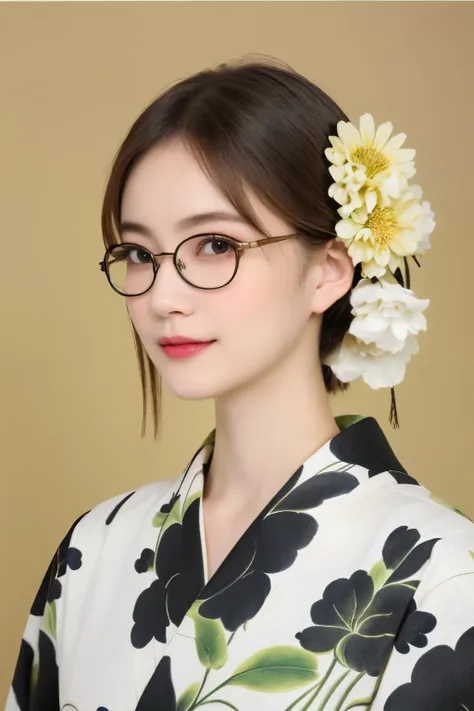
(145, 562)
(117, 508)
(414, 629)
(166, 508)
(49, 590)
(21, 678)
(150, 616)
(159, 694)
(180, 579)
(72, 558)
(270, 546)
(359, 622)
(442, 680)
(377, 456)
(44, 693)
(239, 589)
(316, 490)
(401, 477)
(55, 590)
(402, 556)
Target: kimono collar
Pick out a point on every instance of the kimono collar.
(360, 447)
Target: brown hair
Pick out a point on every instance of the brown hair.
(251, 124)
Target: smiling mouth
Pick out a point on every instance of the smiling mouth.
(184, 350)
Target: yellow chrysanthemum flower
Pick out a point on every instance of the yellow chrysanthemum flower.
(382, 238)
(369, 166)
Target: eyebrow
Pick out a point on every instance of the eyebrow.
(186, 222)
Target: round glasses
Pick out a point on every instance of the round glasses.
(205, 261)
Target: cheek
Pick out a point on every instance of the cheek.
(257, 314)
(137, 309)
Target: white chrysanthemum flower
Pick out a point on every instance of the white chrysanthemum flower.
(368, 165)
(379, 369)
(386, 314)
(382, 238)
(381, 338)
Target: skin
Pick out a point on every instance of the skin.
(271, 408)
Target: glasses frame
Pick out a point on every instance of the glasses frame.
(240, 248)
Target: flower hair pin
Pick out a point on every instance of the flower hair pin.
(384, 222)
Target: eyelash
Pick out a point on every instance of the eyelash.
(211, 235)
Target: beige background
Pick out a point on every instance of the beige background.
(73, 77)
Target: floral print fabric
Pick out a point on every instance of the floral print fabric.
(353, 588)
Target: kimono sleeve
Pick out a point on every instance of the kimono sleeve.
(35, 684)
(431, 667)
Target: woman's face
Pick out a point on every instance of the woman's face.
(258, 320)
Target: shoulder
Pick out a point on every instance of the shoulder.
(432, 544)
(450, 570)
(116, 519)
(121, 517)
(434, 515)
(437, 538)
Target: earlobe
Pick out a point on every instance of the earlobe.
(337, 276)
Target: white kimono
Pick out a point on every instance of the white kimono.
(352, 589)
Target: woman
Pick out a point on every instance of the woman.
(295, 564)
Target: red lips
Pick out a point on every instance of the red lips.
(178, 341)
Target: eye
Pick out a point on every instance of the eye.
(139, 256)
(217, 245)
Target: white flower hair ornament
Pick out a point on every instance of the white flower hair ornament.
(384, 222)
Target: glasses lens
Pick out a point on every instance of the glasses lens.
(130, 269)
(207, 261)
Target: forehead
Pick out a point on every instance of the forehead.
(167, 180)
(168, 184)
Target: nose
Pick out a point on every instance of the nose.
(170, 293)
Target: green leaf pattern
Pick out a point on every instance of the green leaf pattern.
(209, 636)
(276, 669)
(188, 697)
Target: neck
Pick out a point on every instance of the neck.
(264, 434)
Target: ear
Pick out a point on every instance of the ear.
(336, 273)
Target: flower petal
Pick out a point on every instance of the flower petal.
(372, 269)
(370, 200)
(335, 157)
(385, 372)
(360, 216)
(337, 173)
(359, 253)
(354, 204)
(391, 185)
(394, 144)
(349, 135)
(339, 194)
(367, 128)
(383, 134)
(405, 155)
(346, 229)
(336, 143)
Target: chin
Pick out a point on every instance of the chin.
(202, 385)
(195, 391)
(207, 386)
